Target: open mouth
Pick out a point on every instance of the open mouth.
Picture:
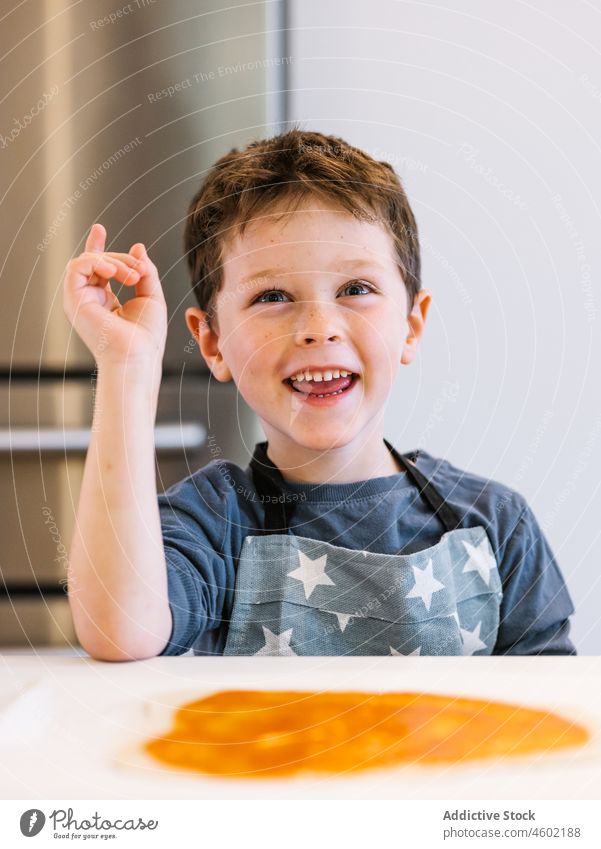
(323, 388)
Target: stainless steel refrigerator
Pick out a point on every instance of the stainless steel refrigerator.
(112, 113)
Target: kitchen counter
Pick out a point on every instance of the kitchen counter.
(70, 726)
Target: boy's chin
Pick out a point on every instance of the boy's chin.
(327, 439)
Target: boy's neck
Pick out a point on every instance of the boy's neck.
(347, 464)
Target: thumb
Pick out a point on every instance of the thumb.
(149, 285)
(138, 250)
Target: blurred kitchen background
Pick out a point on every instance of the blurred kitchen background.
(132, 104)
(113, 112)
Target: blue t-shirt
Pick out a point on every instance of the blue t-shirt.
(206, 516)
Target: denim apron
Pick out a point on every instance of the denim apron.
(300, 596)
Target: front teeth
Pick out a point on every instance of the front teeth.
(318, 376)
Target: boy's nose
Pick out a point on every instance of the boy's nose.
(320, 324)
(310, 338)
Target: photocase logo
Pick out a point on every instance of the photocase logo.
(32, 822)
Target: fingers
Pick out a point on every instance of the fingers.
(124, 262)
(149, 285)
(95, 243)
(132, 261)
(95, 269)
(88, 275)
(96, 238)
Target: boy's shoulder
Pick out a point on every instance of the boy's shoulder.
(219, 480)
(494, 504)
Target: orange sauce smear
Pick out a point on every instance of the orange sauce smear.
(267, 734)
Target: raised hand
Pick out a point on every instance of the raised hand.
(117, 333)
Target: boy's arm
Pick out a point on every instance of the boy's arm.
(117, 574)
(536, 603)
(118, 578)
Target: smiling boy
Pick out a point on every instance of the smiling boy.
(304, 258)
(307, 293)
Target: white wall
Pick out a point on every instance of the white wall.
(491, 114)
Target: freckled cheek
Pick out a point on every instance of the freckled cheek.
(254, 363)
(383, 354)
(253, 376)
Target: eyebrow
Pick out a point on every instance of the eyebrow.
(267, 273)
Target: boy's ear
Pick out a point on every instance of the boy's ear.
(207, 336)
(416, 320)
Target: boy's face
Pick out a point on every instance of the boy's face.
(337, 300)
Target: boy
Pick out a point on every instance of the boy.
(305, 263)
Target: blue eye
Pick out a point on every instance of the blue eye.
(259, 298)
(360, 284)
(267, 297)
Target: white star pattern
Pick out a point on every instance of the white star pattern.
(481, 560)
(419, 584)
(417, 652)
(425, 585)
(471, 640)
(311, 573)
(343, 619)
(276, 645)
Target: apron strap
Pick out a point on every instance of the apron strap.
(271, 487)
(449, 517)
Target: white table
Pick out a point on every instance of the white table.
(65, 723)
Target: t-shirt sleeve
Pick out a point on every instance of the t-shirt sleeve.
(536, 605)
(199, 574)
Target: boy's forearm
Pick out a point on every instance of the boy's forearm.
(117, 571)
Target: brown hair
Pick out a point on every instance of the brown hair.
(290, 167)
